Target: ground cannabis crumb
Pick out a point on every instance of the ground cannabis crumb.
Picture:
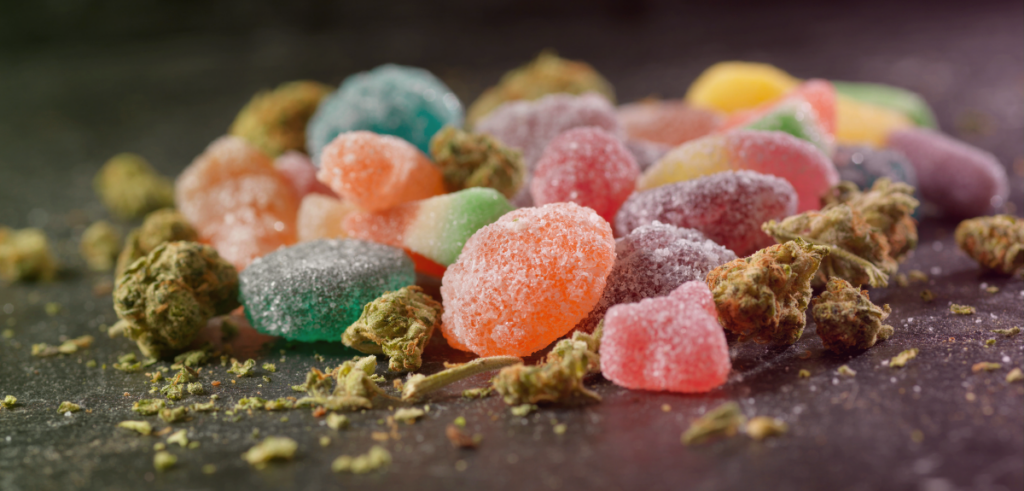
(927, 295)
(986, 366)
(460, 421)
(560, 428)
(242, 369)
(846, 371)
(196, 388)
(962, 309)
(1015, 375)
(902, 280)
(992, 289)
(52, 308)
(478, 393)
(523, 410)
(990, 343)
(846, 318)
(9, 402)
(397, 324)
(377, 458)
(66, 348)
(337, 421)
(722, 421)
(164, 460)
(192, 358)
(149, 407)
(271, 448)
(100, 245)
(173, 415)
(459, 439)
(761, 427)
(1011, 332)
(68, 407)
(7, 333)
(205, 407)
(918, 276)
(270, 367)
(900, 360)
(180, 437)
(141, 427)
(129, 187)
(325, 441)
(25, 256)
(408, 415)
(278, 404)
(209, 469)
(803, 373)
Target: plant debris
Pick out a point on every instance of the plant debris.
(962, 309)
(68, 407)
(271, 448)
(900, 360)
(163, 460)
(377, 458)
(141, 427)
(986, 366)
(66, 348)
(761, 427)
(722, 421)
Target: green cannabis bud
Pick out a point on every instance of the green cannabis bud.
(25, 255)
(559, 379)
(271, 448)
(547, 74)
(722, 421)
(100, 245)
(165, 225)
(397, 324)
(887, 207)
(129, 187)
(274, 121)
(996, 242)
(476, 160)
(846, 318)
(763, 297)
(164, 299)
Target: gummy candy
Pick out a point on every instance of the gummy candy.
(436, 228)
(547, 74)
(409, 103)
(666, 122)
(906, 102)
(529, 126)
(646, 153)
(312, 291)
(470, 160)
(321, 217)
(769, 152)
(666, 344)
(733, 85)
(859, 123)
(237, 202)
(727, 207)
(274, 121)
(587, 166)
(301, 173)
(795, 114)
(376, 172)
(863, 165)
(963, 180)
(526, 280)
(652, 261)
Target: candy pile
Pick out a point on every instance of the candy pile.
(630, 240)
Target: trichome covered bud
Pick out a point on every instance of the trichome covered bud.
(763, 297)
(476, 160)
(129, 187)
(25, 255)
(100, 245)
(559, 379)
(164, 299)
(996, 242)
(274, 121)
(166, 225)
(888, 207)
(846, 318)
(398, 324)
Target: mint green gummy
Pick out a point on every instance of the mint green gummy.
(314, 290)
(906, 102)
(796, 118)
(444, 223)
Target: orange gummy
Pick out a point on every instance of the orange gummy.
(389, 228)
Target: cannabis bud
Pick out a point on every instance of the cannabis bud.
(164, 299)
(274, 121)
(397, 324)
(887, 207)
(560, 378)
(763, 297)
(476, 160)
(99, 246)
(547, 74)
(25, 255)
(129, 187)
(165, 225)
(996, 242)
(846, 318)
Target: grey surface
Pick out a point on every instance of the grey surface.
(67, 106)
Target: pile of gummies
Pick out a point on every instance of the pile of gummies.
(547, 208)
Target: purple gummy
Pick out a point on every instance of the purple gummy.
(652, 261)
(727, 207)
(963, 180)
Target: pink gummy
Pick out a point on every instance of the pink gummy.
(667, 122)
(587, 166)
(666, 344)
(300, 171)
(963, 180)
(820, 94)
(727, 207)
(780, 154)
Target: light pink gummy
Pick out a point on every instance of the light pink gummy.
(301, 173)
(587, 166)
(780, 154)
(666, 344)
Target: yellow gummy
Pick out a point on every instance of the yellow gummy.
(695, 158)
(734, 85)
(858, 123)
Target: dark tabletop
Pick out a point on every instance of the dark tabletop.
(81, 81)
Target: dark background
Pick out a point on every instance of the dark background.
(83, 80)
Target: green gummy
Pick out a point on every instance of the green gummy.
(788, 118)
(904, 101)
(468, 210)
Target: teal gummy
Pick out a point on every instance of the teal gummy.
(904, 101)
(314, 290)
(407, 102)
(471, 209)
(788, 120)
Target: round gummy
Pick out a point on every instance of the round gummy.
(314, 290)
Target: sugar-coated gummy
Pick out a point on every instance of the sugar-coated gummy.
(901, 100)
(965, 181)
(646, 153)
(587, 166)
(652, 261)
(730, 86)
(668, 343)
(728, 207)
(860, 123)
(526, 280)
(314, 290)
(667, 122)
(407, 102)
(301, 173)
(321, 217)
